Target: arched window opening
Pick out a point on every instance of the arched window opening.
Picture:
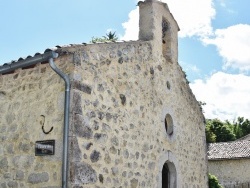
(168, 175)
(165, 176)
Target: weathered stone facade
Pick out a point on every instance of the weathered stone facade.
(123, 96)
(30, 99)
(231, 173)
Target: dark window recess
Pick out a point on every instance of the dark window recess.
(166, 39)
(165, 176)
(169, 126)
(164, 30)
(169, 175)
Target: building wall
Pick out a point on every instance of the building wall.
(231, 172)
(30, 99)
(121, 94)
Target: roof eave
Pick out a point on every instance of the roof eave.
(7, 68)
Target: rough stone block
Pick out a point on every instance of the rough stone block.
(12, 184)
(3, 185)
(81, 127)
(4, 164)
(82, 173)
(134, 183)
(100, 138)
(95, 156)
(77, 103)
(123, 99)
(74, 150)
(35, 178)
(81, 87)
(19, 175)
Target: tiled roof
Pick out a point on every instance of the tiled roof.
(247, 137)
(229, 150)
(22, 59)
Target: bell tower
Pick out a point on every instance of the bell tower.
(158, 25)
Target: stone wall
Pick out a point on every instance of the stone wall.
(122, 93)
(30, 99)
(123, 96)
(231, 173)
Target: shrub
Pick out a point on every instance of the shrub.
(213, 181)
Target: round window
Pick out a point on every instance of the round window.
(169, 124)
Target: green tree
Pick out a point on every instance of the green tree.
(213, 181)
(219, 130)
(225, 134)
(238, 127)
(210, 136)
(245, 127)
(110, 37)
(242, 127)
(238, 131)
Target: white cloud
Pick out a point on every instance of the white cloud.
(226, 95)
(189, 67)
(233, 44)
(131, 26)
(193, 17)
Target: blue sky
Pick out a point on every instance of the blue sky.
(214, 41)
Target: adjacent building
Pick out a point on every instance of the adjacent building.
(229, 161)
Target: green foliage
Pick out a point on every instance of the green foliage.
(213, 181)
(218, 131)
(110, 37)
(242, 127)
(210, 136)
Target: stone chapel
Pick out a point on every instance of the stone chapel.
(103, 115)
